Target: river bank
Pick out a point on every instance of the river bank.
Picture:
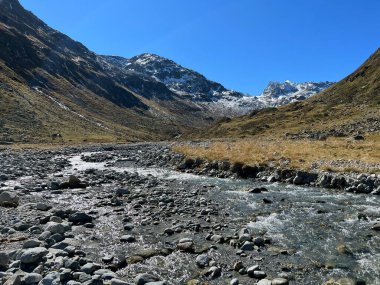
(121, 214)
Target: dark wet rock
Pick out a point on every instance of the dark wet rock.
(247, 246)
(267, 201)
(145, 278)
(9, 199)
(54, 185)
(128, 227)
(4, 260)
(73, 183)
(257, 190)
(32, 243)
(169, 231)
(214, 272)
(238, 266)
(80, 218)
(324, 181)
(358, 138)
(122, 191)
(376, 227)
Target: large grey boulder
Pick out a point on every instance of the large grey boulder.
(9, 199)
(33, 255)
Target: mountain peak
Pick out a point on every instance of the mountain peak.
(277, 93)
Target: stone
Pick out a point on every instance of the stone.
(186, 245)
(33, 255)
(259, 241)
(238, 265)
(343, 249)
(14, 280)
(252, 269)
(122, 191)
(4, 260)
(258, 274)
(55, 228)
(202, 260)
(245, 237)
(74, 182)
(234, 281)
(247, 246)
(169, 231)
(90, 268)
(144, 278)
(264, 282)
(51, 279)
(217, 238)
(80, 218)
(9, 199)
(32, 278)
(214, 272)
(128, 239)
(376, 227)
(280, 281)
(31, 243)
(43, 207)
(118, 282)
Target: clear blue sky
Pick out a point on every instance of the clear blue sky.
(242, 44)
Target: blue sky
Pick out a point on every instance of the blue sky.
(242, 44)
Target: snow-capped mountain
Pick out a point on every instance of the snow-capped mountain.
(277, 94)
(187, 84)
(210, 95)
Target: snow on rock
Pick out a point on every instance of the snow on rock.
(207, 94)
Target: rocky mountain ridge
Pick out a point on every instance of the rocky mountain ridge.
(209, 94)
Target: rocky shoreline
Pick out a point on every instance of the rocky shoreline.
(63, 223)
(362, 183)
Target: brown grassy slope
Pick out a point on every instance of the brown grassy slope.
(29, 116)
(347, 105)
(334, 154)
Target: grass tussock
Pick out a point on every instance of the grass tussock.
(334, 154)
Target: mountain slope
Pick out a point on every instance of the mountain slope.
(61, 86)
(50, 83)
(348, 107)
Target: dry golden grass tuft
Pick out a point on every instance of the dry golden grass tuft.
(329, 155)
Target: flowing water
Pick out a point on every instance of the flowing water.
(326, 233)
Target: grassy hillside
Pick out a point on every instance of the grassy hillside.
(316, 134)
(348, 107)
